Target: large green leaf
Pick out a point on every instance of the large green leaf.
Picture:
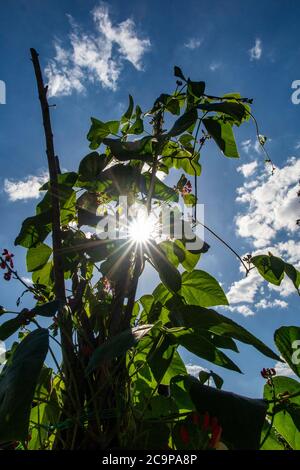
(222, 133)
(287, 339)
(272, 442)
(99, 130)
(123, 150)
(286, 419)
(92, 165)
(160, 357)
(183, 123)
(270, 268)
(196, 88)
(9, 327)
(117, 346)
(293, 274)
(47, 310)
(161, 191)
(169, 275)
(44, 275)
(236, 110)
(191, 316)
(200, 345)
(17, 385)
(200, 288)
(34, 230)
(174, 156)
(37, 257)
(241, 418)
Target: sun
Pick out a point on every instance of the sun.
(142, 228)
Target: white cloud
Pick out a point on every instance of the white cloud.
(242, 309)
(264, 304)
(256, 51)
(215, 66)
(282, 368)
(95, 57)
(248, 169)
(193, 43)
(245, 290)
(297, 146)
(194, 369)
(271, 210)
(272, 206)
(28, 188)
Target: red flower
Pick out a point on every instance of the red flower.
(184, 435)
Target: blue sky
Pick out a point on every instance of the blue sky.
(250, 46)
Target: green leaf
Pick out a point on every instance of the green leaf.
(189, 199)
(65, 179)
(9, 327)
(160, 357)
(117, 346)
(138, 149)
(284, 419)
(44, 275)
(200, 288)
(99, 130)
(178, 73)
(92, 165)
(217, 380)
(17, 385)
(287, 339)
(196, 317)
(190, 260)
(200, 345)
(241, 418)
(270, 268)
(167, 272)
(177, 157)
(293, 274)
(204, 376)
(176, 367)
(167, 247)
(129, 111)
(161, 191)
(272, 442)
(47, 310)
(37, 257)
(183, 123)
(236, 110)
(171, 103)
(34, 230)
(196, 88)
(222, 133)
